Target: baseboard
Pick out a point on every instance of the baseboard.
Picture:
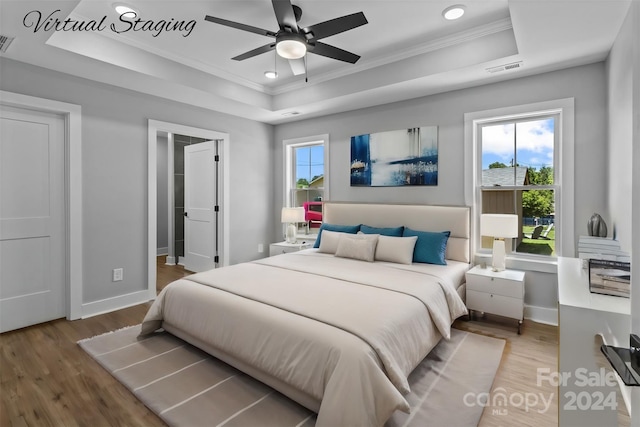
(108, 305)
(171, 260)
(162, 251)
(548, 316)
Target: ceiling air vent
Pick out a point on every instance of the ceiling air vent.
(505, 67)
(5, 41)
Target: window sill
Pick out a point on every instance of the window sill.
(521, 263)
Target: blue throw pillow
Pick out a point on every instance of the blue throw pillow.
(430, 247)
(390, 231)
(351, 229)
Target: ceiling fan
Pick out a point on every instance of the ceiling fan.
(293, 42)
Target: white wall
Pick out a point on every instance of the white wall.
(586, 84)
(114, 173)
(619, 112)
(635, 249)
(623, 111)
(635, 213)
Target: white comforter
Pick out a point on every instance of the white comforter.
(345, 332)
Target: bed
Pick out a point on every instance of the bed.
(336, 334)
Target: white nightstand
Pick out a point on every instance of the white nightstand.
(284, 247)
(496, 292)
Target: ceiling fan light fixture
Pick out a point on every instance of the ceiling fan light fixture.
(271, 74)
(291, 47)
(453, 12)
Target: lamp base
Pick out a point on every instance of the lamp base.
(499, 255)
(292, 231)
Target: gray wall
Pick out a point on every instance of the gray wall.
(114, 172)
(586, 84)
(162, 205)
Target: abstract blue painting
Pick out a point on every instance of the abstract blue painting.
(395, 158)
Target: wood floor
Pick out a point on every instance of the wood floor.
(47, 380)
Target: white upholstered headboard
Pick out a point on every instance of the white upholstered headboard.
(455, 219)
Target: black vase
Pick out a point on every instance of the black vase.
(596, 226)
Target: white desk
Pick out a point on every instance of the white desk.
(582, 317)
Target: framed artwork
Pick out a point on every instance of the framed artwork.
(395, 158)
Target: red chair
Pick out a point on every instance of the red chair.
(313, 213)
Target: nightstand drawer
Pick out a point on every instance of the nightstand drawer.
(495, 285)
(278, 250)
(495, 304)
(285, 248)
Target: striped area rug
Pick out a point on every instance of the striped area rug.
(187, 387)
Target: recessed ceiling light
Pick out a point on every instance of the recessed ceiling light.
(122, 8)
(453, 12)
(270, 74)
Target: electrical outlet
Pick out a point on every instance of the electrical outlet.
(260, 248)
(117, 274)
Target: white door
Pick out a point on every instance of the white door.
(200, 183)
(32, 218)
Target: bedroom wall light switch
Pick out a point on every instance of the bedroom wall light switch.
(117, 274)
(260, 248)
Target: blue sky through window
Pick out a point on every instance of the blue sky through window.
(533, 147)
(309, 162)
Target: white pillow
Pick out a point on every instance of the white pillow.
(329, 241)
(356, 246)
(396, 249)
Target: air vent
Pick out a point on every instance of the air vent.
(291, 113)
(5, 41)
(505, 67)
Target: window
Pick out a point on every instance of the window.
(518, 177)
(521, 162)
(306, 178)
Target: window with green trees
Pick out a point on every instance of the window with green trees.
(519, 177)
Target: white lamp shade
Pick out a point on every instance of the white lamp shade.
(292, 215)
(499, 225)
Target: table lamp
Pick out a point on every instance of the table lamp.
(292, 216)
(499, 226)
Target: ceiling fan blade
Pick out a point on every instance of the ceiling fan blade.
(285, 15)
(297, 66)
(240, 26)
(329, 51)
(255, 52)
(336, 26)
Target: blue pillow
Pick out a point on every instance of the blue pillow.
(390, 231)
(430, 247)
(351, 229)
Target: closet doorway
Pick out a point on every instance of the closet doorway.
(188, 198)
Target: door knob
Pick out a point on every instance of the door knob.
(186, 214)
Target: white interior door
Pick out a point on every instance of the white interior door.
(32, 218)
(200, 183)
